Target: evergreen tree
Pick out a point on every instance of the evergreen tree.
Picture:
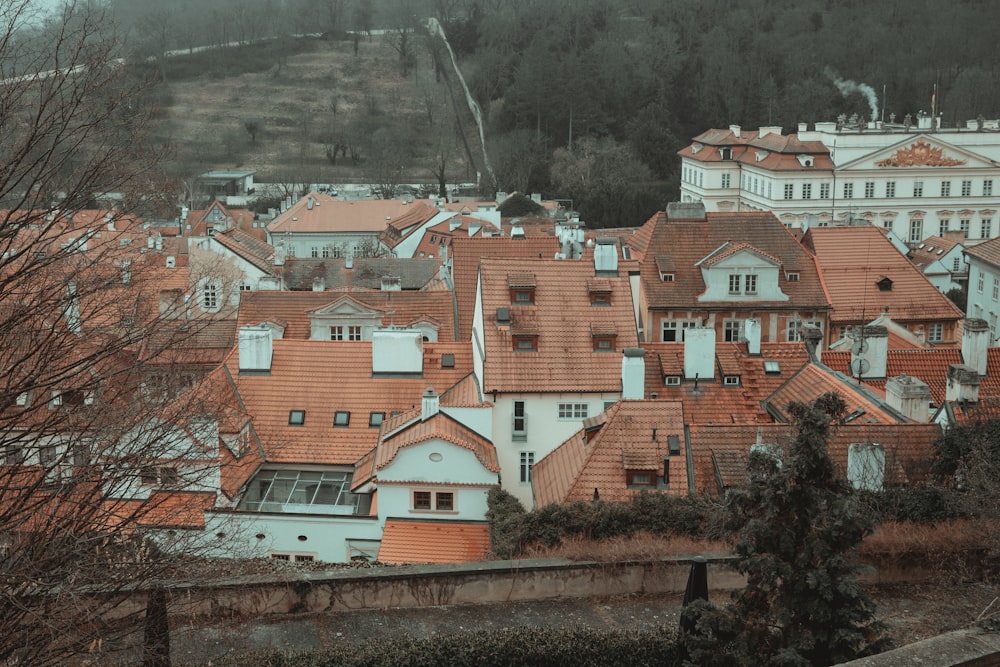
(802, 604)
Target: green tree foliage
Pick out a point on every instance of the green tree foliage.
(802, 604)
(520, 205)
(969, 456)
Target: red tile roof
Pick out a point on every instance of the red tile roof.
(561, 317)
(255, 251)
(466, 254)
(407, 541)
(441, 427)
(324, 377)
(931, 249)
(853, 260)
(813, 380)
(687, 242)
(987, 251)
(329, 214)
(629, 435)
(774, 151)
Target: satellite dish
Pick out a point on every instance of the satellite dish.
(860, 346)
(860, 366)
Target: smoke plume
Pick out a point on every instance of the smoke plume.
(846, 87)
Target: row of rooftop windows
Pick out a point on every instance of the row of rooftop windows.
(341, 418)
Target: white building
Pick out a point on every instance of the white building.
(913, 179)
(984, 284)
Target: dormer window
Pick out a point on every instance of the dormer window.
(522, 297)
(525, 343)
(600, 291)
(641, 478)
(884, 284)
(731, 380)
(672, 380)
(792, 277)
(805, 160)
(695, 147)
(726, 153)
(667, 277)
(522, 288)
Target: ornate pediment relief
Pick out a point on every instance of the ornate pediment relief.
(920, 154)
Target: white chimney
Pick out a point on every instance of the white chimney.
(769, 129)
(319, 284)
(158, 242)
(606, 257)
(109, 219)
(735, 129)
(255, 349)
(803, 127)
(149, 242)
(429, 405)
(909, 396)
(699, 353)
(309, 202)
(349, 260)
(963, 384)
(398, 351)
(633, 374)
(279, 255)
(501, 197)
(751, 333)
(869, 352)
(536, 197)
(975, 343)
(392, 284)
(171, 262)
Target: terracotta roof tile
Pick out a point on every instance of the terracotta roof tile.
(256, 251)
(854, 259)
(814, 380)
(406, 541)
(634, 435)
(561, 316)
(987, 251)
(329, 214)
(442, 427)
(177, 509)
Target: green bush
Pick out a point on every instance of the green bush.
(512, 646)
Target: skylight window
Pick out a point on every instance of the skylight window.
(296, 417)
(376, 419)
(342, 419)
(447, 360)
(772, 367)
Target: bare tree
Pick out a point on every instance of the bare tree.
(102, 420)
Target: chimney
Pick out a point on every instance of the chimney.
(813, 338)
(255, 349)
(149, 242)
(501, 197)
(975, 343)
(869, 352)
(109, 219)
(606, 257)
(909, 396)
(279, 255)
(171, 262)
(803, 127)
(686, 211)
(633, 374)
(735, 129)
(319, 284)
(158, 242)
(536, 197)
(430, 404)
(349, 260)
(766, 130)
(963, 384)
(751, 333)
(397, 351)
(699, 353)
(392, 284)
(309, 202)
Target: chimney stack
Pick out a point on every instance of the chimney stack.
(869, 352)
(429, 405)
(909, 396)
(975, 343)
(319, 284)
(309, 202)
(392, 284)
(349, 260)
(963, 384)
(255, 349)
(735, 129)
(397, 351)
(699, 353)
(751, 333)
(633, 373)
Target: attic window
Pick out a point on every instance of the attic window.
(447, 360)
(731, 380)
(673, 445)
(695, 147)
(342, 419)
(522, 297)
(523, 343)
(772, 367)
(640, 478)
(726, 153)
(376, 419)
(667, 277)
(672, 380)
(604, 343)
(793, 277)
(884, 285)
(296, 417)
(597, 299)
(805, 160)
(522, 288)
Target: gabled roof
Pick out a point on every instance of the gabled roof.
(415, 541)
(218, 215)
(329, 214)
(256, 251)
(687, 242)
(931, 249)
(440, 235)
(367, 272)
(730, 248)
(324, 377)
(561, 316)
(814, 380)
(773, 151)
(466, 254)
(442, 427)
(969, 414)
(854, 259)
(916, 151)
(987, 251)
(400, 308)
(629, 435)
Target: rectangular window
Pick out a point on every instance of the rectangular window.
(336, 333)
(985, 229)
(210, 296)
(526, 344)
(794, 332)
(522, 297)
(726, 180)
(824, 190)
(672, 331)
(807, 190)
(296, 417)
(750, 283)
(444, 501)
(956, 264)
(869, 189)
(376, 419)
(996, 288)
(966, 188)
(353, 333)
(573, 410)
(890, 189)
(326, 252)
(314, 252)
(987, 188)
(732, 330)
(341, 419)
(789, 190)
(916, 231)
(918, 188)
(942, 227)
(935, 332)
(735, 282)
(527, 462)
(639, 478)
(848, 190)
(945, 188)
(980, 282)
(963, 226)
(421, 500)
(519, 425)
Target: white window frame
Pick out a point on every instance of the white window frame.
(935, 332)
(890, 189)
(519, 422)
(824, 190)
(732, 330)
(848, 190)
(869, 189)
(678, 326)
(573, 410)
(916, 230)
(945, 188)
(966, 188)
(527, 463)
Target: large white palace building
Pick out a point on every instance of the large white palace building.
(916, 179)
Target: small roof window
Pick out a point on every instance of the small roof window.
(296, 417)
(342, 419)
(771, 367)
